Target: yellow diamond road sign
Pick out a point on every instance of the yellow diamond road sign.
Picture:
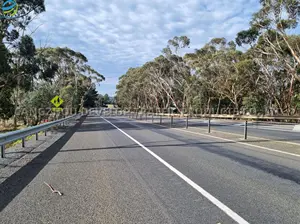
(57, 101)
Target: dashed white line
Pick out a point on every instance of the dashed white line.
(207, 195)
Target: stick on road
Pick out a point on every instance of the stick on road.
(117, 170)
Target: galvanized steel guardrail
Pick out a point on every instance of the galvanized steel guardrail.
(243, 118)
(221, 116)
(22, 134)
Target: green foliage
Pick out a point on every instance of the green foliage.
(6, 106)
(35, 100)
(26, 47)
(296, 100)
(247, 36)
(30, 77)
(254, 104)
(217, 77)
(4, 67)
(41, 96)
(106, 99)
(90, 98)
(10, 29)
(67, 94)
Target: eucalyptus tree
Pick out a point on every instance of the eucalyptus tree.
(71, 71)
(127, 89)
(175, 77)
(276, 52)
(70, 64)
(10, 29)
(24, 68)
(34, 107)
(90, 97)
(5, 69)
(225, 71)
(271, 26)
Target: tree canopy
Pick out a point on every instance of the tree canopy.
(30, 77)
(219, 77)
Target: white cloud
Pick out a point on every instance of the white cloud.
(118, 34)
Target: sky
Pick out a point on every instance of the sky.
(115, 35)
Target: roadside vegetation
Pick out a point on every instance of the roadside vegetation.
(257, 73)
(30, 77)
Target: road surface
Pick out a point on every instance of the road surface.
(118, 170)
(282, 132)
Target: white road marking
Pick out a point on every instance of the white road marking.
(242, 143)
(233, 141)
(249, 127)
(207, 195)
(286, 142)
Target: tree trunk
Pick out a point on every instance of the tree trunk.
(15, 110)
(219, 104)
(290, 96)
(208, 105)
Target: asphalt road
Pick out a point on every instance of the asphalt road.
(144, 173)
(283, 132)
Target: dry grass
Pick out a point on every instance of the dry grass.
(10, 127)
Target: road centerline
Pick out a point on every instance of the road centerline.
(203, 192)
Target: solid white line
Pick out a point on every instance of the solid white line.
(242, 143)
(207, 195)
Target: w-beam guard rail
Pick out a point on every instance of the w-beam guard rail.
(22, 134)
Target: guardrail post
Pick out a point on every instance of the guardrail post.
(36, 136)
(2, 151)
(246, 130)
(146, 116)
(187, 122)
(209, 125)
(160, 120)
(171, 121)
(23, 142)
(45, 132)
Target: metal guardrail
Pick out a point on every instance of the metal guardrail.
(22, 134)
(223, 116)
(247, 117)
(116, 111)
(243, 118)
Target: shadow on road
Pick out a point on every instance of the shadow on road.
(14, 184)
